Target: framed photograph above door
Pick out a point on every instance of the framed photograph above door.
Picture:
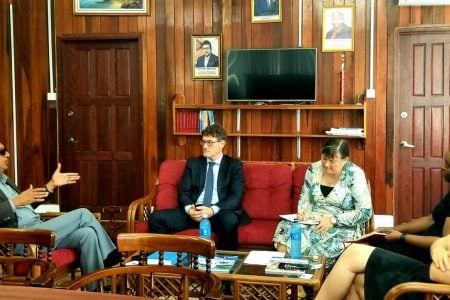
(111, 7)
(265, 11)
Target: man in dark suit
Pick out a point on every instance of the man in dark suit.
(225, 211)
(208, 59)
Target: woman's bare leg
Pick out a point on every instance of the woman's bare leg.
(357, 288)
(438, 275)
(339, 282)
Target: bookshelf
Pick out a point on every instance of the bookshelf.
(231, 117)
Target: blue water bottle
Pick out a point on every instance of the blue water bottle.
(205, 227)
(296, 240)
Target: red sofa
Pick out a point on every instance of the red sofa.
(271, 189)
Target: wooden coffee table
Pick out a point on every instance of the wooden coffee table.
(251, 282)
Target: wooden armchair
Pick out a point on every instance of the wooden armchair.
(179, 281)
(35, 266)
(65, 259)
(429, 291)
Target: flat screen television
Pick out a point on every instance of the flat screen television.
(271, 75)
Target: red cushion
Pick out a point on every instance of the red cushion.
(141, 227)
(169, 178)
(298, 178)
(64, 256)
(258, 232)
(268, 190)
(60, 257)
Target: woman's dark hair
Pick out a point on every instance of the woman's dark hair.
(216, 131)
(334, 146)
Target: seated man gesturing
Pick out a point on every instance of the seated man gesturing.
(77, 229)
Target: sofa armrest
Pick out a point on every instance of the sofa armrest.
(139, 210)
(426, 289)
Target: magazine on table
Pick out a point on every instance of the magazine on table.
(220, 263)
(287, 266)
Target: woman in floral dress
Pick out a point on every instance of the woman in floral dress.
(336, 195)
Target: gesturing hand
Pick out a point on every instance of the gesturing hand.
(30, 196)
(60, 179)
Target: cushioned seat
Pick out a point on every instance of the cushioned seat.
(271, 189)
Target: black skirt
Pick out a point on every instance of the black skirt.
(386, 269)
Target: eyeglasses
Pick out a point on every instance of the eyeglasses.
(3, 151)
(209, 143)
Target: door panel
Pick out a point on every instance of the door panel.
(100, 114)
(422, 102)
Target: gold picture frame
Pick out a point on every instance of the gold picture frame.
(266, 11)
(206, 56)
(111, 7)
(338, 28)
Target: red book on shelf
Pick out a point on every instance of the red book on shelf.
(196, 127)
(183, 122)
(178, 121)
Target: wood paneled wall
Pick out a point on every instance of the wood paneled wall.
(166, 41)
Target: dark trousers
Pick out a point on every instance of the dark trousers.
(225, 224)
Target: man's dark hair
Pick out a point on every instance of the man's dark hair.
(206, 42)
(216, 131)
(334, 146)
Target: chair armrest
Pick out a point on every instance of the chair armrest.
(51, 215)
(417, 287)
(139, 209)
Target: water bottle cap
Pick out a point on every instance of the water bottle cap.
(205, 216)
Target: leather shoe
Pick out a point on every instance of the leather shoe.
(113, 259)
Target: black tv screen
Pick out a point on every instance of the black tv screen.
(271, 75)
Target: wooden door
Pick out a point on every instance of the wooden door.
(100, 118)
(421, 120)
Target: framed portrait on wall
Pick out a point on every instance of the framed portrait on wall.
(206, 57)
(265, 11)
(111, 7)
(338, 28)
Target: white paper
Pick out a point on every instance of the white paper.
(383, 221)
(292, 217)
(256, 257)
(43, 208)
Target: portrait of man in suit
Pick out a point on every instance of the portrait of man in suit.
(208, 59)
(206, 62)
(340, 29)
(337, 29)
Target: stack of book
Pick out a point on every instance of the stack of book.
(220, 263)
(346, 131)
(192, 121)
(287, 266)
(205, 118)
(187, 121)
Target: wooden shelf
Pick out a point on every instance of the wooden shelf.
(271, 106)
(234, 112)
